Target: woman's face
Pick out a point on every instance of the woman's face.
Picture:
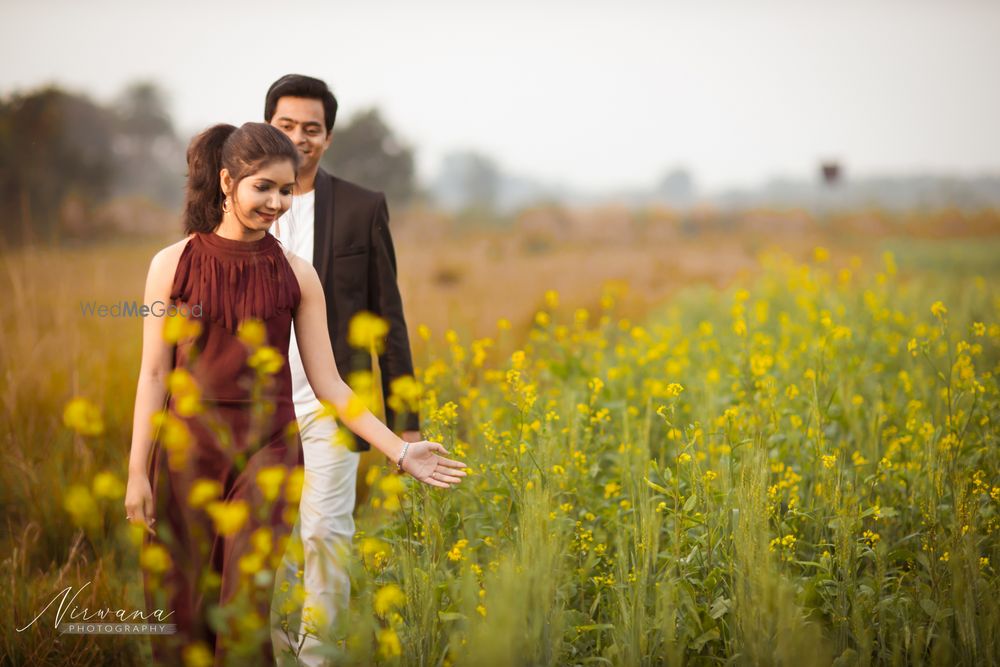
(263, 196)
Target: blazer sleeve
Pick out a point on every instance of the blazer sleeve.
(385, 300)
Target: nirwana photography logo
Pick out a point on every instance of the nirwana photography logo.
(103, 621)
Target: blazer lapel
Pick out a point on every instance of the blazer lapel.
(323, 224)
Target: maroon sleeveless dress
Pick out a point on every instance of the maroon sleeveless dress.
(246, 424)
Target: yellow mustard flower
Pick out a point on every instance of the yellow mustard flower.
(366, 331)
(229, 517)
(155, 559)
(80, 505)
(83, 416)
(266, 360)
(388, 598)
(388, 643)
(107, 485)
(269, 480)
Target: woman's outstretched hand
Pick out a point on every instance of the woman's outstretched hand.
(423, 461)
(139, 502)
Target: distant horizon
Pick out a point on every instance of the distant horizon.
(573, 95)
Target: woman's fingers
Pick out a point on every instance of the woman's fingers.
(437, 447)
(445, 472)
(142, 513)
(434, 482)
(149, 510)
(137, 516)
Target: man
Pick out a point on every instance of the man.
(344, 229)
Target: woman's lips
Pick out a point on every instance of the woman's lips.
(267, 217)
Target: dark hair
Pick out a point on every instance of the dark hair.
(243, 152)
(298, 85)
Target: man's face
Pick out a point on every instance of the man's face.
(303, 121)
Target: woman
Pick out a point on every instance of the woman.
(220, 474)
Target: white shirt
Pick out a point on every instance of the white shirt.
(295, 231)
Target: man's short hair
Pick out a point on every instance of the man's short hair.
(298, 85)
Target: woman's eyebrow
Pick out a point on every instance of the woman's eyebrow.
(264, 179)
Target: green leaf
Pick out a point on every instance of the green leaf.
(690, 502)
(705, 637)
(656, 487)
(595, 626)
(451, 616)
(720, 607)
(929, 607)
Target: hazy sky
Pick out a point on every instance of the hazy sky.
(582, 93)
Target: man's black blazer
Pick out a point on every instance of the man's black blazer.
(356, 262)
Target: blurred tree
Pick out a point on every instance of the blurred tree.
(150, 156)
(367, 152)
(468, 181)
(55, 161)
(142, 113)
(677, 187)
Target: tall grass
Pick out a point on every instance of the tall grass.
(801, 469)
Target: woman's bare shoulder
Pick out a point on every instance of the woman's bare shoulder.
(304, 272)
(300, 267)
(165, 261)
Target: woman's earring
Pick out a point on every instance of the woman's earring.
(227, 205)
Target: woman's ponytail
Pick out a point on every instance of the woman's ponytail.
(203, 200)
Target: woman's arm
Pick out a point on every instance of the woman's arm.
(312, 334)
(151, 389)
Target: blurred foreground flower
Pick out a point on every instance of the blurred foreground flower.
(404, 394)
(269, 480)
(186, 393)
(266, 360)
(366, 331)
(81, 506)
(177, 328)
(387, 598)
(107, 485)
(374, 553)
(252, 333)
(83, 417)
(388, 643)
(229, 517)
(293, 487)
(198, 655)
(155, 559)
(203, 491)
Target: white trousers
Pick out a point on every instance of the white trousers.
(326, 528)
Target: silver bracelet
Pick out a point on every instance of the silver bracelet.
(399, 462)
